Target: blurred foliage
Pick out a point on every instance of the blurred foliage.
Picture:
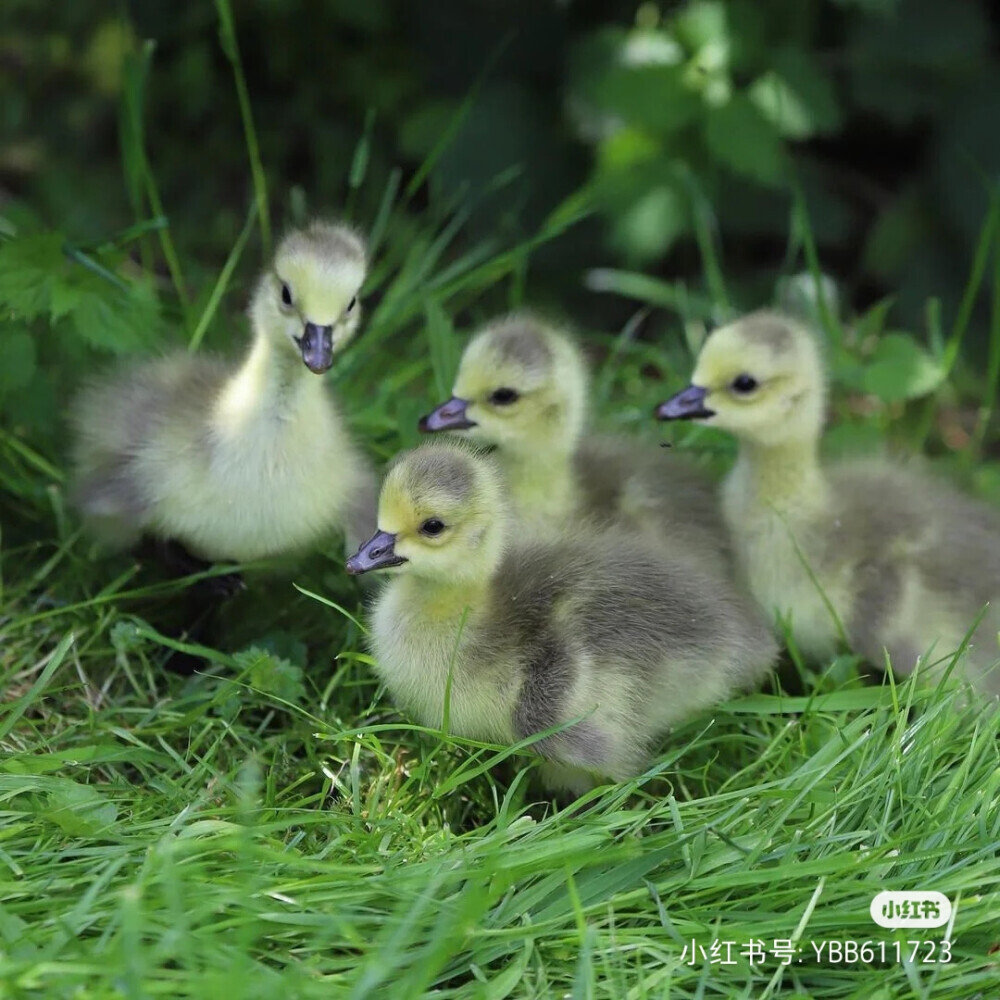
(722, 146)
(877, 111)
(883, 111)
(59, 304)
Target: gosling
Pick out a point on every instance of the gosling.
(522, 387)
(893, 561)
(236, 463)
(500, 639)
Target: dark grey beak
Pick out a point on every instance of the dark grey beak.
(450, 416)
(316, 345)
(377, 553)
(689, 404)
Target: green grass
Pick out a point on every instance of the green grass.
(199, 837)
(271, 827)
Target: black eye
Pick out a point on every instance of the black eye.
(286, 294)
(352, 304)
(744, 383)
(432, 526)
(504, 397)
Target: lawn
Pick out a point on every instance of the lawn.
(207, 837)
(268, 825)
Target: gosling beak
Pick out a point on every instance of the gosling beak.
(316, 345)
(689, 404)
(377, 553)
(450, 416)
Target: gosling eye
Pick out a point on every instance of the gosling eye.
(351, 305)
(432, 526)
(743, 384)
(286, 295)
(504, 396)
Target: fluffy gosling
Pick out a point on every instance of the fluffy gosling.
(236, 462)
(522, 387)
(500, 639)
(898, 562)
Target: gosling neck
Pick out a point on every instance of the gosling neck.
(542, 478)
(781, 475)
(271, 384)
(441, 600)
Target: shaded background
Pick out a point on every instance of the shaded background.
(676, 136)
(886, 111)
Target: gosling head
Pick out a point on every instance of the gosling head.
(760, 378)
(521, 385)
(308, 299)
(440, 517)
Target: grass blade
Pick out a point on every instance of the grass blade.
(222, 282)
(230, 46)
(139, 174)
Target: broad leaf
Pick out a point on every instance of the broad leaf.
(605, 87)
(651, 225)
(116, 321)
(796, 97)
(901, 369)
(78, 810)
(745, 141)
(272, 674)
(28, 267)
(701, 23)
(63, 299)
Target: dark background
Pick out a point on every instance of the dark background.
(900, 143)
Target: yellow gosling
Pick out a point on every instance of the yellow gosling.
(236, 462)
(522, 387)
(499, 635)
(893, 560)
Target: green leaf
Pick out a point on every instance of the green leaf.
(63, 299)
(28, 267)
(625, 148)
(652, 223)
(701, 23)
(121, 323)
(78, 810)
(853, 437)
(17, 359)
(362, 153)
(745, 141)
(272, 674)
(14, 934)
(872, 322)
(796, 97)
(652, 97)
(60, 760)
(901, 369)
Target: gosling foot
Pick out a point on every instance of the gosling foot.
(180, 562)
